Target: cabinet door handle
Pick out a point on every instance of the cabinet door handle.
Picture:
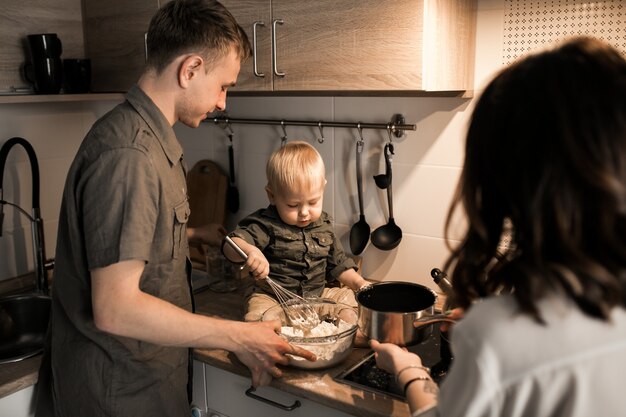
(274, 53)
(255, 68)
(145, 45)
(250, 393)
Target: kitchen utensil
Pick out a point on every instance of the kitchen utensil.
(297, 308)
(232, 194)
(384, 180)
(388, 236)
(388, 311)
(338, 322)
(427, 320)
(360, 231)
(206, 187)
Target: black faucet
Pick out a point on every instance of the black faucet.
(35, 217)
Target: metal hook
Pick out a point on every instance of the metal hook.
(361, 141)
(321, 128)
(283, 139)
(390, 128)
(229, 130)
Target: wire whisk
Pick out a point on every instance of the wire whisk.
(297, 309)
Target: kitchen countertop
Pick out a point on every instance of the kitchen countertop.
(16, 376)
(315, 385)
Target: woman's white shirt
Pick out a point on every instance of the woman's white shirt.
(507, 365)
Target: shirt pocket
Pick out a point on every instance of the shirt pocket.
(322, 244)
(288, 245)
(181, 216)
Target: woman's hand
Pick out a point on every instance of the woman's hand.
(412, 377)
(392, 358)
(456, 314)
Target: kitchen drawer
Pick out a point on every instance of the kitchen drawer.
(224, 394)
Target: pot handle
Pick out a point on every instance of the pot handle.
(434, 318)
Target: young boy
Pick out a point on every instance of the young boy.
(292, 240)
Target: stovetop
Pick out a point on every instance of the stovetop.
(367, 376)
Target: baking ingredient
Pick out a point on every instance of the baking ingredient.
(324, 351)
(323, 329)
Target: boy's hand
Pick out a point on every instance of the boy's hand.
(257, 263)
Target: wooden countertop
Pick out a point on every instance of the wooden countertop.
(16, 376)
(318, 386)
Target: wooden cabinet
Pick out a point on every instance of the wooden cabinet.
(358, 45)
(256, 18)
(322, 46)
(115, 41)
(217, 392)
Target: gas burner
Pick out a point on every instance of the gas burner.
(365, 375)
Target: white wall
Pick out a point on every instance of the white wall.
(55, 130)
(426, 165)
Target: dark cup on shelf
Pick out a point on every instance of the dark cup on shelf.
(77, 75)
(45, 69)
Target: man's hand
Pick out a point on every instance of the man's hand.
(261, 349)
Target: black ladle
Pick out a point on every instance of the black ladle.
(360, 231)
(384, 180)
(387, 236)
(232, 193)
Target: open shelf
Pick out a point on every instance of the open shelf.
(55, 98)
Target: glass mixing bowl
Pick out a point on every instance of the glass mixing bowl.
(330, 349)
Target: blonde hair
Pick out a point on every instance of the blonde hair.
(297, 165)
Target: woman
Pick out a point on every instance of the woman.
(544, 331)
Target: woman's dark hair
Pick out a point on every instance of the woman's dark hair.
(204, 27)
(546, 153)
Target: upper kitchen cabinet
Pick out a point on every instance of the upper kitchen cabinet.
(115, 33)
(358, 46)
(319, 47)
(255, 16)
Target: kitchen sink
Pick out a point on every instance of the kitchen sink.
(23, 324)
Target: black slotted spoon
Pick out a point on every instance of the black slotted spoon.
(360, 231)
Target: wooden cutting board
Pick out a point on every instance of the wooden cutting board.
(206, 186)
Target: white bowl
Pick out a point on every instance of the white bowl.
(330, 350)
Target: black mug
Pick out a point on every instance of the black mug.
(45, 70)
(77, 75)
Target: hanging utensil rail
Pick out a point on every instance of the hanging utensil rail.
(397, 124)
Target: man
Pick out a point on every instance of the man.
(121, 319)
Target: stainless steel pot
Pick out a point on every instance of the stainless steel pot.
(388, 310)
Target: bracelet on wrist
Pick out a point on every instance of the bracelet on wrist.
(410, 381)
(424, 368)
